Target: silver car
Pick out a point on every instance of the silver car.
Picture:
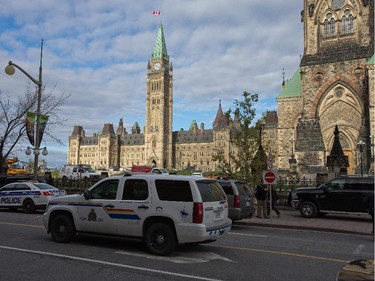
(240, 199)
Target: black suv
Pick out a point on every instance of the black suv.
(343, 194)
(240, 199)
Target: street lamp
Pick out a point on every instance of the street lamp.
(10, 70)
(361, 144)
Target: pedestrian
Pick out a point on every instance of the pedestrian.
(261, 196)
(274, 198)
(368, 201)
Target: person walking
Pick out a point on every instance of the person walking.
(272, 194)
(261, 196)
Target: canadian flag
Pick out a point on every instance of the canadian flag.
(157, 13)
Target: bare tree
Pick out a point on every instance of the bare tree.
(13, 114)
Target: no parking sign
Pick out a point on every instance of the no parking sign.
(269, 177)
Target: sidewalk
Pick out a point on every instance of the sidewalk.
(290, 218)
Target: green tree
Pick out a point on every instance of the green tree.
(13, 114)
(245, 137)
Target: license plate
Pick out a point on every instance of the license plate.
(247, 203)
(218, 215)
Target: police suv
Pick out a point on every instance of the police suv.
(163, 210)
(28, 195)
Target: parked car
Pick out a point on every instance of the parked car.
(77, 172)
(28, 195)
(240, 199)
(162, 210)
(344, 194)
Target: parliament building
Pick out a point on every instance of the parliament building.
(330, 96)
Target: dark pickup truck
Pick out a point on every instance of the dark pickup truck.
(344, 194)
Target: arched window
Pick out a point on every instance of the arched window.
(329, 25)
(347, 25)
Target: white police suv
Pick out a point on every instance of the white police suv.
(163, 210)
(28, 195)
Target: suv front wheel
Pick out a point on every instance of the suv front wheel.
(308, 209)
(62, 229)
(160, 239)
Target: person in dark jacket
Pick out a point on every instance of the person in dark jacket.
(273, 202)
(369, 205)
(261, 196)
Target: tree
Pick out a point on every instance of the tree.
(13, 114)
(245, 137)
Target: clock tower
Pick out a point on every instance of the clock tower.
(159, 106)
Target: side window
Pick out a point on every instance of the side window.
(227, 188)
(9, 188)
(106, 190)
(75, 170)
(135, 190)
(21, 186)
(335, 185)
(173, 190)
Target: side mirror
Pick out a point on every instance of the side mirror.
(86, 194)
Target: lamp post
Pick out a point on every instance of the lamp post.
(10, 70)
(292, 160)
(361, 144)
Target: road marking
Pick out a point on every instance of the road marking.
(280, 253)
(247, 234)
(185, 258)
(21, 224)
(110, 264)
(358, 250)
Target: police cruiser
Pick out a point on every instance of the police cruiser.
(28, 195)
(162, 210)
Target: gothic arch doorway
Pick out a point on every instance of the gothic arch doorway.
(341, 106)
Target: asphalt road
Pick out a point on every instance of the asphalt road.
(246, 253)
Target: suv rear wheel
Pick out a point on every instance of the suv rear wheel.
(62, 229)
(308, 209)
(160, 239)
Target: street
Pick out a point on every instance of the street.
(246, 253)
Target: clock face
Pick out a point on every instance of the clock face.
(157, 66)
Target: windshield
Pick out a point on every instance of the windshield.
(210, 191)
(89, 170)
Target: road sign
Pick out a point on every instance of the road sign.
(269, 177)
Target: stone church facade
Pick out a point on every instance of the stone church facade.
(158, 144)
(334, 86)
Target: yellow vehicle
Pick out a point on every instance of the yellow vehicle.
(14, 168)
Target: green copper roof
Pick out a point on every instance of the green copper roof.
(371, 61)
(293, 87)
(160, 49)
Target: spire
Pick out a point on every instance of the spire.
(160, 49)
(221, 120)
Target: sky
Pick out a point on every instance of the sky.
(97, 52)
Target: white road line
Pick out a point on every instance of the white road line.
(184, 258)
(247, 234)
(110, 263)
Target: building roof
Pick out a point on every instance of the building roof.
(293, 87)
(371, 60)
(221, 121)
(181, 137)
(160, 49)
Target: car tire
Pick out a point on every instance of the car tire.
(28, 206)
(160, 239)
(308, 209)
(62, 229)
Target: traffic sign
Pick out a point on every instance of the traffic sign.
(269, 177)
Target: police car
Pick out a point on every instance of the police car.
(162, 210)
(28, 195)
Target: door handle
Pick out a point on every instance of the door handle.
(109, 206)
(143, 207)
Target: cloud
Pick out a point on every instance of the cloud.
(98, 51)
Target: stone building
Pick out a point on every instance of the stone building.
(334, 86)
(158, 144)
